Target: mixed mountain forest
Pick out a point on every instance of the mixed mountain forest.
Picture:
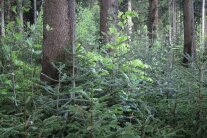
(103, 69)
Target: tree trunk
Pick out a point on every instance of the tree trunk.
(71, 16)
(2, 19)
(174, 21)
(203, 26)
(189, 33)
(32, 14)
(20, 12)
(108, 16)
(172, 30)
(58, 36)
(153, 19)
(35, 10)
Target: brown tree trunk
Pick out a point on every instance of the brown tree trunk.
(59, 17)
(189, 33)
(153, 19)
(108, 16)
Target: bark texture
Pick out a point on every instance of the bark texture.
(57, 41)
(108, 15)
(174, 21)
(153, 19)
(34, 5)
(20, 13)
(189, 32)
(2, 18)
(203, 27)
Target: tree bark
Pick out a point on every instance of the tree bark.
(189, 33)
(108, 16)
(174, 21)
(71, 16)
(153, 19)
(35, 10)
(203, 26)
(20, 13)
(2, 19)
(59, 16)
(172, 30)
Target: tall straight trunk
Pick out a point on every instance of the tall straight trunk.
(204, 29)
(178, 24)
(174, 21)
(170, 21)
(181, 20)
(31, 15)
(2, 19)
(129, 21)
(59, 16)
(153, 19)
(20, 13)
(172, 30)
(35, 10)
(108, 16)
(72, 19)
(189, 33)
(203, 26)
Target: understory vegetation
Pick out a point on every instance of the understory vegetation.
(130, 93)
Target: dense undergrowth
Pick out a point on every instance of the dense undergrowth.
(132, 92)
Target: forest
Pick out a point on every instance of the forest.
(103, 69)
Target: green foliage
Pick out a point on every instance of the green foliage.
(20, 53)
(131, 91)
(87, 28)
